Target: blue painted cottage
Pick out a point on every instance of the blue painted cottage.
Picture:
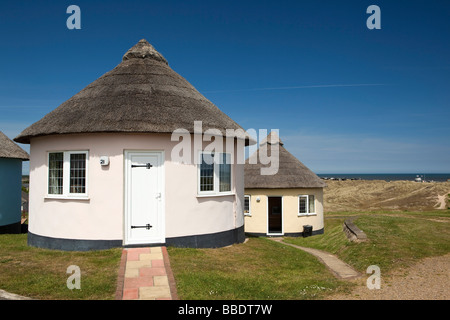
(11, 157)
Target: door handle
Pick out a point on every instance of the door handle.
(147, 165)
(147, 226)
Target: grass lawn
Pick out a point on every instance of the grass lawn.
(41, 274)
(257, 269)
(396, 239)
(263, 269)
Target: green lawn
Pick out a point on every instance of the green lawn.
(41, 274)
(395, 239)
(258, 269)
(263, 269)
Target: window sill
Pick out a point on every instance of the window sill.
(247, 214)
(62, 197)
(215, 195)
(306, 214)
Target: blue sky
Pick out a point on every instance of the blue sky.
(345, 99)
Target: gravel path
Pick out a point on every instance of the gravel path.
(429, 279)
(4, 295)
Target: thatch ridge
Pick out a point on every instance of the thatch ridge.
(272, 139)
(292, 173)
(140, 95)
(8, 149)
(143, 50)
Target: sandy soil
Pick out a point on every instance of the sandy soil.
(426, 280)
(363, 195)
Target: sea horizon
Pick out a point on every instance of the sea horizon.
(437, 177)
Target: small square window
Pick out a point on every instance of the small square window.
(306, 205)
(214, 173)
(67, 174)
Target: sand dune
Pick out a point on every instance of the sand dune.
(382, 195)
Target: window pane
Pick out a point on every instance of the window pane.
(55, 173)
(207, 173)
(312, 208)
(78, 173)
(302, 205)
(246, 204)
(225, 173)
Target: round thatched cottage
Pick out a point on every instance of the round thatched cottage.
(103, 171)
(11, 157)
(288, 202)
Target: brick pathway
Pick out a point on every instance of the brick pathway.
(146, 275)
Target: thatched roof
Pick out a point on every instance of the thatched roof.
(8, 149)
(141, 95)
(291, 172)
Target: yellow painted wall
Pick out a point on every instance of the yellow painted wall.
(292, 222)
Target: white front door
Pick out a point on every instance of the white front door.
(144, 197)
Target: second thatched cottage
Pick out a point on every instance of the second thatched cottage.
(289, 202)
(102, 172)
(11, 157)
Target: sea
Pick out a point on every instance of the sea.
(436, 177)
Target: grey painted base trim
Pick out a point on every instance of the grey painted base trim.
(288, 234)
(211, 240)
(35, 240)
(11, 228)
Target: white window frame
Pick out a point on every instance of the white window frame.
(249, 213)
(216, 187)
(307, 213)
(66, 176)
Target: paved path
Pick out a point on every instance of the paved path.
(4, 295)
(339, 268)
(145, 274)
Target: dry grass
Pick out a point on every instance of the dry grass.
(366, 195)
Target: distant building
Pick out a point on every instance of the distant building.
(288, 203)
(11, 157)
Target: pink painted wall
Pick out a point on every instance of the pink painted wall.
(101, 216)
